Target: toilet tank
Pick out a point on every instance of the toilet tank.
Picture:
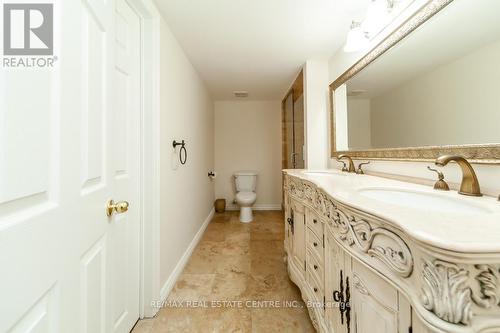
(246, 181)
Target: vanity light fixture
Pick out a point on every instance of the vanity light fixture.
(377, 16)
(356, 38)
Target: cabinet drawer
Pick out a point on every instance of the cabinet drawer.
(315, 224)
(315, 245)
(316, 286)
(316, 269)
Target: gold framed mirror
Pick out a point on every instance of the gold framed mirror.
(473, 132)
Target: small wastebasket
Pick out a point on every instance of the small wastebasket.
(220, 205)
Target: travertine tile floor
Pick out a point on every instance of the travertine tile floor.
(234, 262)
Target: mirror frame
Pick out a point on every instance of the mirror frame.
(475, 153)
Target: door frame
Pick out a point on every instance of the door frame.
(149, 177)
(296, 90)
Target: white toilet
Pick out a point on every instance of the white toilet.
(246, 182)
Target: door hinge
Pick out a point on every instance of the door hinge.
(324, 302)
(323, 240)
(305, 267)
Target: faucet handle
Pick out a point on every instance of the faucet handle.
(440, 184)
(360, 170)
(344, 167)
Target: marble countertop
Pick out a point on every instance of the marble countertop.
(468, 232)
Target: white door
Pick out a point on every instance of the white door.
(68, 143)
(124, 229)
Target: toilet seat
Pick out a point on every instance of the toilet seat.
(246, 197)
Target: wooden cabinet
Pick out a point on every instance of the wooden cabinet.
(359, 274)
(288, 243)
(336, 262)
(376, 305)
(345, 295)
(297, 244)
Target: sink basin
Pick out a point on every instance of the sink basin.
(423, 200)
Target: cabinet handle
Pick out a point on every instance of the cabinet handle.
(338, 296)
(290, 222)
(315, 221)
(315, 244)
(348, 305)
(315, 289)
(315, 267)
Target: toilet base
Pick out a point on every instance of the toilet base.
(246, 214)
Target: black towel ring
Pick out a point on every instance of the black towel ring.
(182, 156)
(183, 160)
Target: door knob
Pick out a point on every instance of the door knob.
(118, 207)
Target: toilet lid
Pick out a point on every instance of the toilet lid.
(247, 196)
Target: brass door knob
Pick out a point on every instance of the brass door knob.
(118, 207)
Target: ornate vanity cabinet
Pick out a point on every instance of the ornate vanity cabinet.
(360, 273)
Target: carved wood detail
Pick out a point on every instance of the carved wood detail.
(354, 231)
(489, 283)
(359, 285)
(457, 291)
(448, 292)
(445, 291)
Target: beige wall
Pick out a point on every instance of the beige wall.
(316, 102)
(187, 194)
(359, 123)
(456, 103)
(248, 137)
(488, 175)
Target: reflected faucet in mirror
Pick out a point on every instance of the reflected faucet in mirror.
(351, 167)
(470, 184)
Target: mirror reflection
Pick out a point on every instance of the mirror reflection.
(439, 86)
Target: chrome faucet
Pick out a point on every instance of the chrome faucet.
(470, 184)
(351, 167)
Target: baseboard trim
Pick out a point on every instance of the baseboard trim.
(174, 276)
(257, 207)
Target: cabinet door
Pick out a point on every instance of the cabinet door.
(376, 306)
(299, 235)
(335, 275)
(288, 226)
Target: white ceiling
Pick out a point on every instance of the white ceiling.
(258, 45)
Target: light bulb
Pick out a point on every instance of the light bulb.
(377, 16)
(356, 38)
